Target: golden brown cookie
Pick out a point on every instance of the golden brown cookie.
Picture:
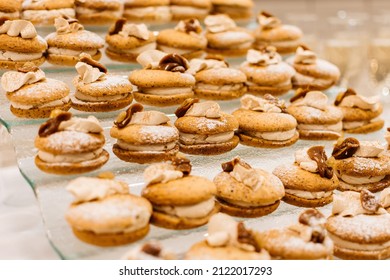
(186, 9)
(154, 11)
(98, 12)
(44, 12)
(237, 10)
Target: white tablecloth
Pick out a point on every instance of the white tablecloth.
(22, 234)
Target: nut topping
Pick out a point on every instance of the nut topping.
(344, 94)
(28, 67)
(118, 26)
(182, 164)
(192, 25)
(346, 149)
(369, 202)
(317, 153)
(86, 58)
(299, 93)
(151, 248)
(275, 101)
(388, 129)
(124, 119)
(314, 219)
(185, 106)
(246, 237)
(51, 125)
(174, 63)
(266, 14)
(229, 166)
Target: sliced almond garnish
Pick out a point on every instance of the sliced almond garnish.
(369, 201)
(51, 125)
(185, 106)
(229, 166)
(346, 149)
(317, 153)
(123, 121)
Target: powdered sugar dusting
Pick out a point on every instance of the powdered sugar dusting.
(71, 141)
(158, 134)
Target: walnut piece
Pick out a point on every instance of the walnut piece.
(245, 236)
(229, 166)
(117, 27)
(344, 94)
(299, 93)
(51, 125)
(124, 119)
(86, 58)
(346, 149)
(182, 164)
(185, 106)
(369, 201)
(314, 219)
(275, 101)
(174, 63)
(317, 153)
(192, 25)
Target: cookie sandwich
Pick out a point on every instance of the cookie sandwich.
(272, 32)
(32, 95)
(359, 227)
(384, 199)
(244, 191)
(361, 114)
(44, 12)
(204, 129)
(10, 9)
(312, 72)
(361, 165)
(20, 43)
(98, 12)
(151, 250)
(180, 200)
(70, 145)
(127, 40)
(104, 213)
(186, 9)
(215, 80)
(227, 240)
(144, 136)
(266, 72)
(225, 38)
(235, 9)
(309, 182)
(97, 90)
(305, 240)
(186, 39)
(69, 41)
(163, 81)
(264, 122)
(154, 11)
(317, 120)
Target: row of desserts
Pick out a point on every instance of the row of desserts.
(100, 12)
(21, 43)
(174, 199)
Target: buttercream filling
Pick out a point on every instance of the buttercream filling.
(44, 15)
(273, 136)
(194, 211)
(18, 56)
(174, 50)
(287, 82)
(308, 195)
(191, 139)
(352, 125)
(54, 103)
(189, 11)
(166, 91)
(145, 148)
(9, 15)
(62, 51)
(361, 180)
(159, 12)
(322, 127)
(231, 87)
(87, 11)
(147, 47)
(69, 158)
(303, 79)
(283, 44)
(86, 97)
(246, 204)
(357, 246)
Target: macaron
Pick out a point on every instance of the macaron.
(235, 9)
(264, 122)
(361, 113)
(215, 80)
(361, 165)
(227, 240)
(10, 9)
(204, 129)
(98, 12)
(186, 9)
(69, 41)
(70, 145)
(20, 43)
(44, 12)
(244, 191)
(104, 213)
(154, 11)
(32, 95)
(151, 250)
(185, 39)
(272, 32)
(359, 227)
(163, 81)
(97, 90)
(225, 38)
(144, 136)
(266, 72)
(316, 119)
(309, 182)
(306, 240)
(127, 40)
(311, 72)
(180, 200)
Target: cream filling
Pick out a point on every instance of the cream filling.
(360, 180)
(357, 246)
(45, 15)
(188, 11)
(282, 44)
(85, 97)
(147, 47)
(174, 50)
(309, 195)
(204, 86)
(54, 103)
(69, 158)
(18, 56)
(273, 136)
(10, 15)
(247, 45)
(302, 79)
(281, 84)
(246, 204)
(322, 127)
(87, 11)
(145, 148)
(352, 125)
(166, 91)
(61, 51)
(194, 211)
(191, 139)
(159, 12)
